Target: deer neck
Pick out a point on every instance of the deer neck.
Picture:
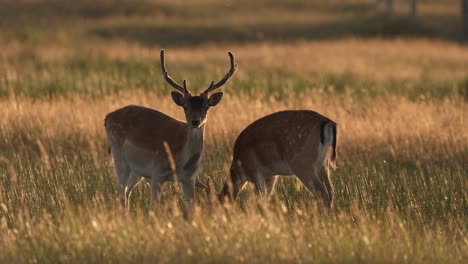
(194, 141)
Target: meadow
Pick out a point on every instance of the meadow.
(397, 88)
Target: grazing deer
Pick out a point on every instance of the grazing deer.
(147, 143)
(284, 143)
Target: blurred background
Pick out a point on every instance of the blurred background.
(52, 47)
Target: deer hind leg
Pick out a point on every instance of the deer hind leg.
(315, 185)
(132, 181)
(311, 179)
(122, 172)
(325, 179)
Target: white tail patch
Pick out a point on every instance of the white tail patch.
(326, 149)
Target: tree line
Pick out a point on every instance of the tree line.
(413, 12)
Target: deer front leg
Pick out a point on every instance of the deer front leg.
(188, 187)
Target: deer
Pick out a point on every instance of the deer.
(291, 142)
(146, 143)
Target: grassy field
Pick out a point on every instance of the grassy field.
(397, 88)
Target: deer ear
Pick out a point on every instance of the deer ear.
(215, 98)
(178, 98)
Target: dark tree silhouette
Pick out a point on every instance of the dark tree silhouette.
(413, 9)
(464, 16)
(389, 7)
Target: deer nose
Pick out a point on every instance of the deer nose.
(195, 122)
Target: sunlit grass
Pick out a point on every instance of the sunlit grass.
(399, 101)
(400, 187)
(412, 68)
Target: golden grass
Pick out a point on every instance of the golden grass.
(364, 122)
(401, 182)
(228, 235)
(60, 207)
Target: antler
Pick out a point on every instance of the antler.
(228, 75)
(168, 78)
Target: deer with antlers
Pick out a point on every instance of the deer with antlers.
(146, 143)
(294, 142)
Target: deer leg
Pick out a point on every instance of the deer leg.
(315, 185)
(311, 179)
(265, 184)
(189, 192)
(122, 172)
(325, 178)
(132, 181)
(320, 187)
(260, 185)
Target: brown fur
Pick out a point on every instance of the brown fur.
(283, 143)
(146, 128)
(147, 143)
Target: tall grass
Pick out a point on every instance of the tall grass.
(399, 101)
(400, 187)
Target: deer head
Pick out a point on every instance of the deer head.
(196, 107)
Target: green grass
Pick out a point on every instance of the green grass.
(97, 77)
